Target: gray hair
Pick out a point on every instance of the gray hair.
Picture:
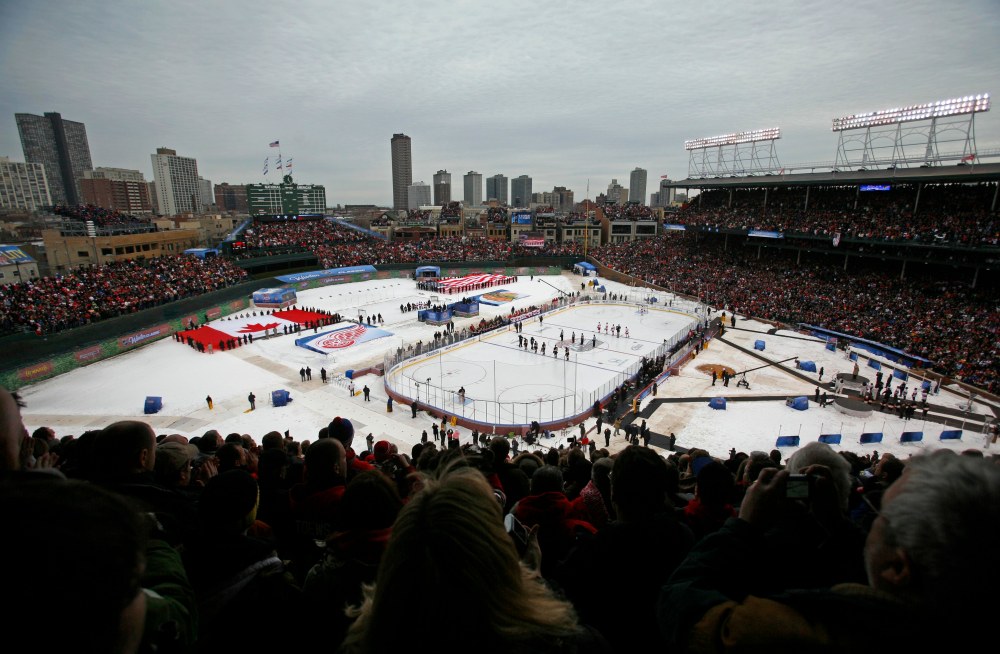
(946, 516)
(816, 453)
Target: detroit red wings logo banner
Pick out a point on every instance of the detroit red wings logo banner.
(338, 339)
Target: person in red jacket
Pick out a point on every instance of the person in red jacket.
(548, 507)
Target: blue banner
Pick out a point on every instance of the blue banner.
(330, 272)
(10, 254)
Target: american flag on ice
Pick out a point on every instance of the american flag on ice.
(469, 280)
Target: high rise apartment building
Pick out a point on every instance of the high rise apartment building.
(637, 186)
(121, 189)
(617, 194)
(177, 188)
(402, 170)
(442, 188)
(565, 198)
(23, 186)
(496, 188)
(206, 196)
(668, 194)
(520, 191)
(473, 189)
(418, 195)
(61, 146)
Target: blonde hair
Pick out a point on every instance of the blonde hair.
(450, 558)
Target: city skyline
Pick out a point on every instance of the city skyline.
(335, 101)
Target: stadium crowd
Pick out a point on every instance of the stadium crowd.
(631, 212)
(945, 321)
(50, 304)
(948, 214)
(100, 216)
(167, 545)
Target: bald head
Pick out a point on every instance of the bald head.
(125, 447)
(326, 463)
(12, 431)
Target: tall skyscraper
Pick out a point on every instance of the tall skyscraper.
(616, 193)
(418, 195)
(520, 191)
(23, 186)
(496, 188)
(206, 197)
(473, 189)
(637, 186)
(442, 188)
(61, 146)
(402, 169)
(565, 197)
(667, 194)
(177, 189)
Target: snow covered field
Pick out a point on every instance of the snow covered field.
(96, 395)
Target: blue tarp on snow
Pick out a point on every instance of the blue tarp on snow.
(808, 366)
(800, 403)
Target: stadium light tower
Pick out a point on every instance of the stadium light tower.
(736, 154)
(910, 135)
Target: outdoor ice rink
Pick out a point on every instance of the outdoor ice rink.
(497, 377)
(508, 384)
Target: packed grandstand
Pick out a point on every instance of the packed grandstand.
(934, 311)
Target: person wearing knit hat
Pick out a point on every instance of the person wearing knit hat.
(343, 430)
(382, 451)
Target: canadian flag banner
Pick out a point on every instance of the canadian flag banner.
(256, 325)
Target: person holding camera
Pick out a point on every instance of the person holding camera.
(931, 582)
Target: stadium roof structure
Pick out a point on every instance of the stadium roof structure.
(962, 174)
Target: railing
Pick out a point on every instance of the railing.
(546, 409)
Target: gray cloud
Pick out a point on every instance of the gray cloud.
(562, 91)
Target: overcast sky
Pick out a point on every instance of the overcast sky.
(564, 92)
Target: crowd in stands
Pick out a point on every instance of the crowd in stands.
(100, 216)
(50, 304)
(498, 215)
(627, 211)
(168, 544)
(451, 210)
(955, 215)
(337, 246)
(945, 321)
(941, 320)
